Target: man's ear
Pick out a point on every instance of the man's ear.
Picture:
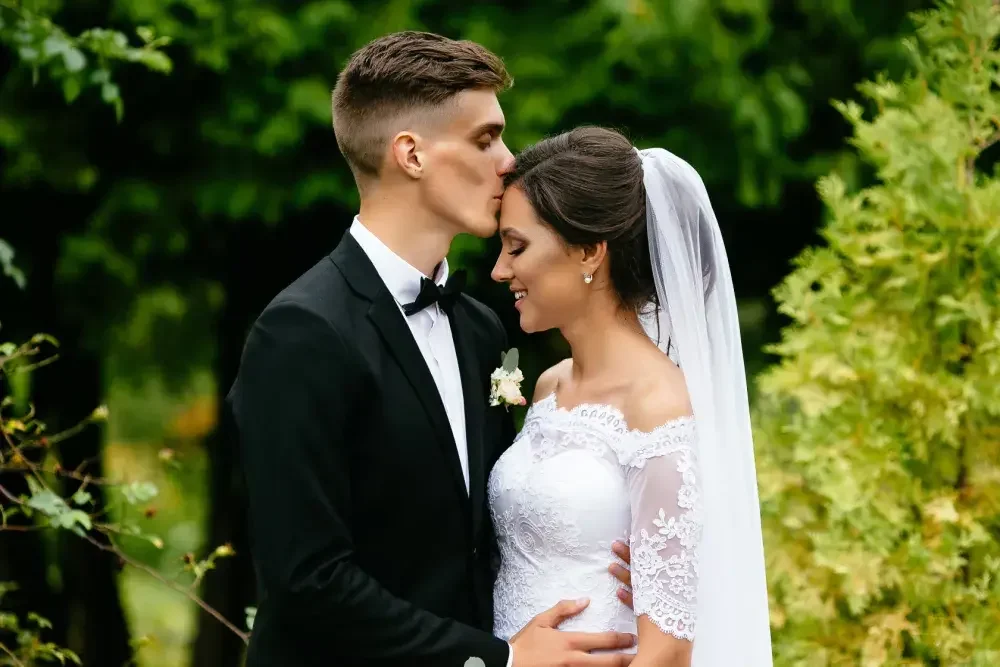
(406, 153)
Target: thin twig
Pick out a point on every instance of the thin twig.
(28, 467)
(145, 568)
(21, 529)
(11, 497)
(989, 141)
(62, 472)
(13, 657)
(25, 350)
(30, 367)
(172, 585)
(69, 433)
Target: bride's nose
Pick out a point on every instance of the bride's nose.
(501, 272)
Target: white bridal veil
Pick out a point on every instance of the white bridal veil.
(697, 314)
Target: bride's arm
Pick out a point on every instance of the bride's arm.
(657, 649)
(666, 529)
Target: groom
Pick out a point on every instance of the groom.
(361, 404)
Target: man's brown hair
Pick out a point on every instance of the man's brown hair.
(398, 74)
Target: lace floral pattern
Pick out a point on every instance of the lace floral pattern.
(575, 481)
(665, 554)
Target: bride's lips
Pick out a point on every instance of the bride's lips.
(518, 300)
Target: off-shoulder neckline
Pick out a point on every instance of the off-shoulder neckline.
(590, 409)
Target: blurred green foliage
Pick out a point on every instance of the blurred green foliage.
(239, 135)
(76, 62)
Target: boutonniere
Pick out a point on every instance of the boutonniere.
(505, 383)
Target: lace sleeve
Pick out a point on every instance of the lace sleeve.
(666, 530)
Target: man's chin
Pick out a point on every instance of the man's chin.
(484, 229)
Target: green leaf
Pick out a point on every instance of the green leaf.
(146, 33)
(71, 88)
(55, 507)
(74, 59)
(9, 622)
(82, 497)
(7, 264)
(74, 519)
(7, 587)
(156, 61)
(40, 621)
(45, 500)
(48, 503)
(251, 613)
(137, 493)
(110, 92)
(510, 360)
(40, 338)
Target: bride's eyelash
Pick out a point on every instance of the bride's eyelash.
(516, 251)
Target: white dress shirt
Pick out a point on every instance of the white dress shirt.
(431, 331)
(430, 327)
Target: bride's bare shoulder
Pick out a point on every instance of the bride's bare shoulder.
(549, 381)
(660, 396)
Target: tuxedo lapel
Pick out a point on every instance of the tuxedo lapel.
(384, 313)
(475, 405)
(386, 316)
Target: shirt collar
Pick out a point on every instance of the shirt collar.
(400, 277)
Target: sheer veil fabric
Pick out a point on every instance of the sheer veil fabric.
(695, 322)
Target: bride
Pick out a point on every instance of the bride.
(643, 435)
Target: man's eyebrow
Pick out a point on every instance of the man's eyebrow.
(492, 127)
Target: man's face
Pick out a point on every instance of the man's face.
(465, 160)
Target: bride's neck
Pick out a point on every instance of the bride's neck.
(599, 342)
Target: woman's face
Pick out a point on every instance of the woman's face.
(545, 274)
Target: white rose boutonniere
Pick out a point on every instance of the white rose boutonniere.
(505, 383)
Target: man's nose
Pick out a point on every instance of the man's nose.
(506, 162)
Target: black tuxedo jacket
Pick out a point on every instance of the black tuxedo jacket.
(367, 547)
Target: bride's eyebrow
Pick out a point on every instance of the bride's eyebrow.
(510, 233)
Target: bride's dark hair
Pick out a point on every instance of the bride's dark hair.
(587, 185)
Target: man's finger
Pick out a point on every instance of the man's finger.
(607, 660)
(622, 551)
(622, 574)
(551, 618)
(591, 641)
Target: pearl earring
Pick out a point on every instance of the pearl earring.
(588, 278)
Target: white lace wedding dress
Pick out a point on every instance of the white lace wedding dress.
(572, 483)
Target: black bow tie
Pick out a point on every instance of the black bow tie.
(431, 293)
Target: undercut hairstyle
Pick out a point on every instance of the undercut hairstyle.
(392, 79)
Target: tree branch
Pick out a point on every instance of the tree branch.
(13, 657)
(172, 585)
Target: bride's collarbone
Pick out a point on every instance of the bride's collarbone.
(643, 405)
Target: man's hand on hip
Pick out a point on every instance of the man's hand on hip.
(541, 644)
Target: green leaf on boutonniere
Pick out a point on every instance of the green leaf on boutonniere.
(509, 360)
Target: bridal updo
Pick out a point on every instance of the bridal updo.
(587, 185)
